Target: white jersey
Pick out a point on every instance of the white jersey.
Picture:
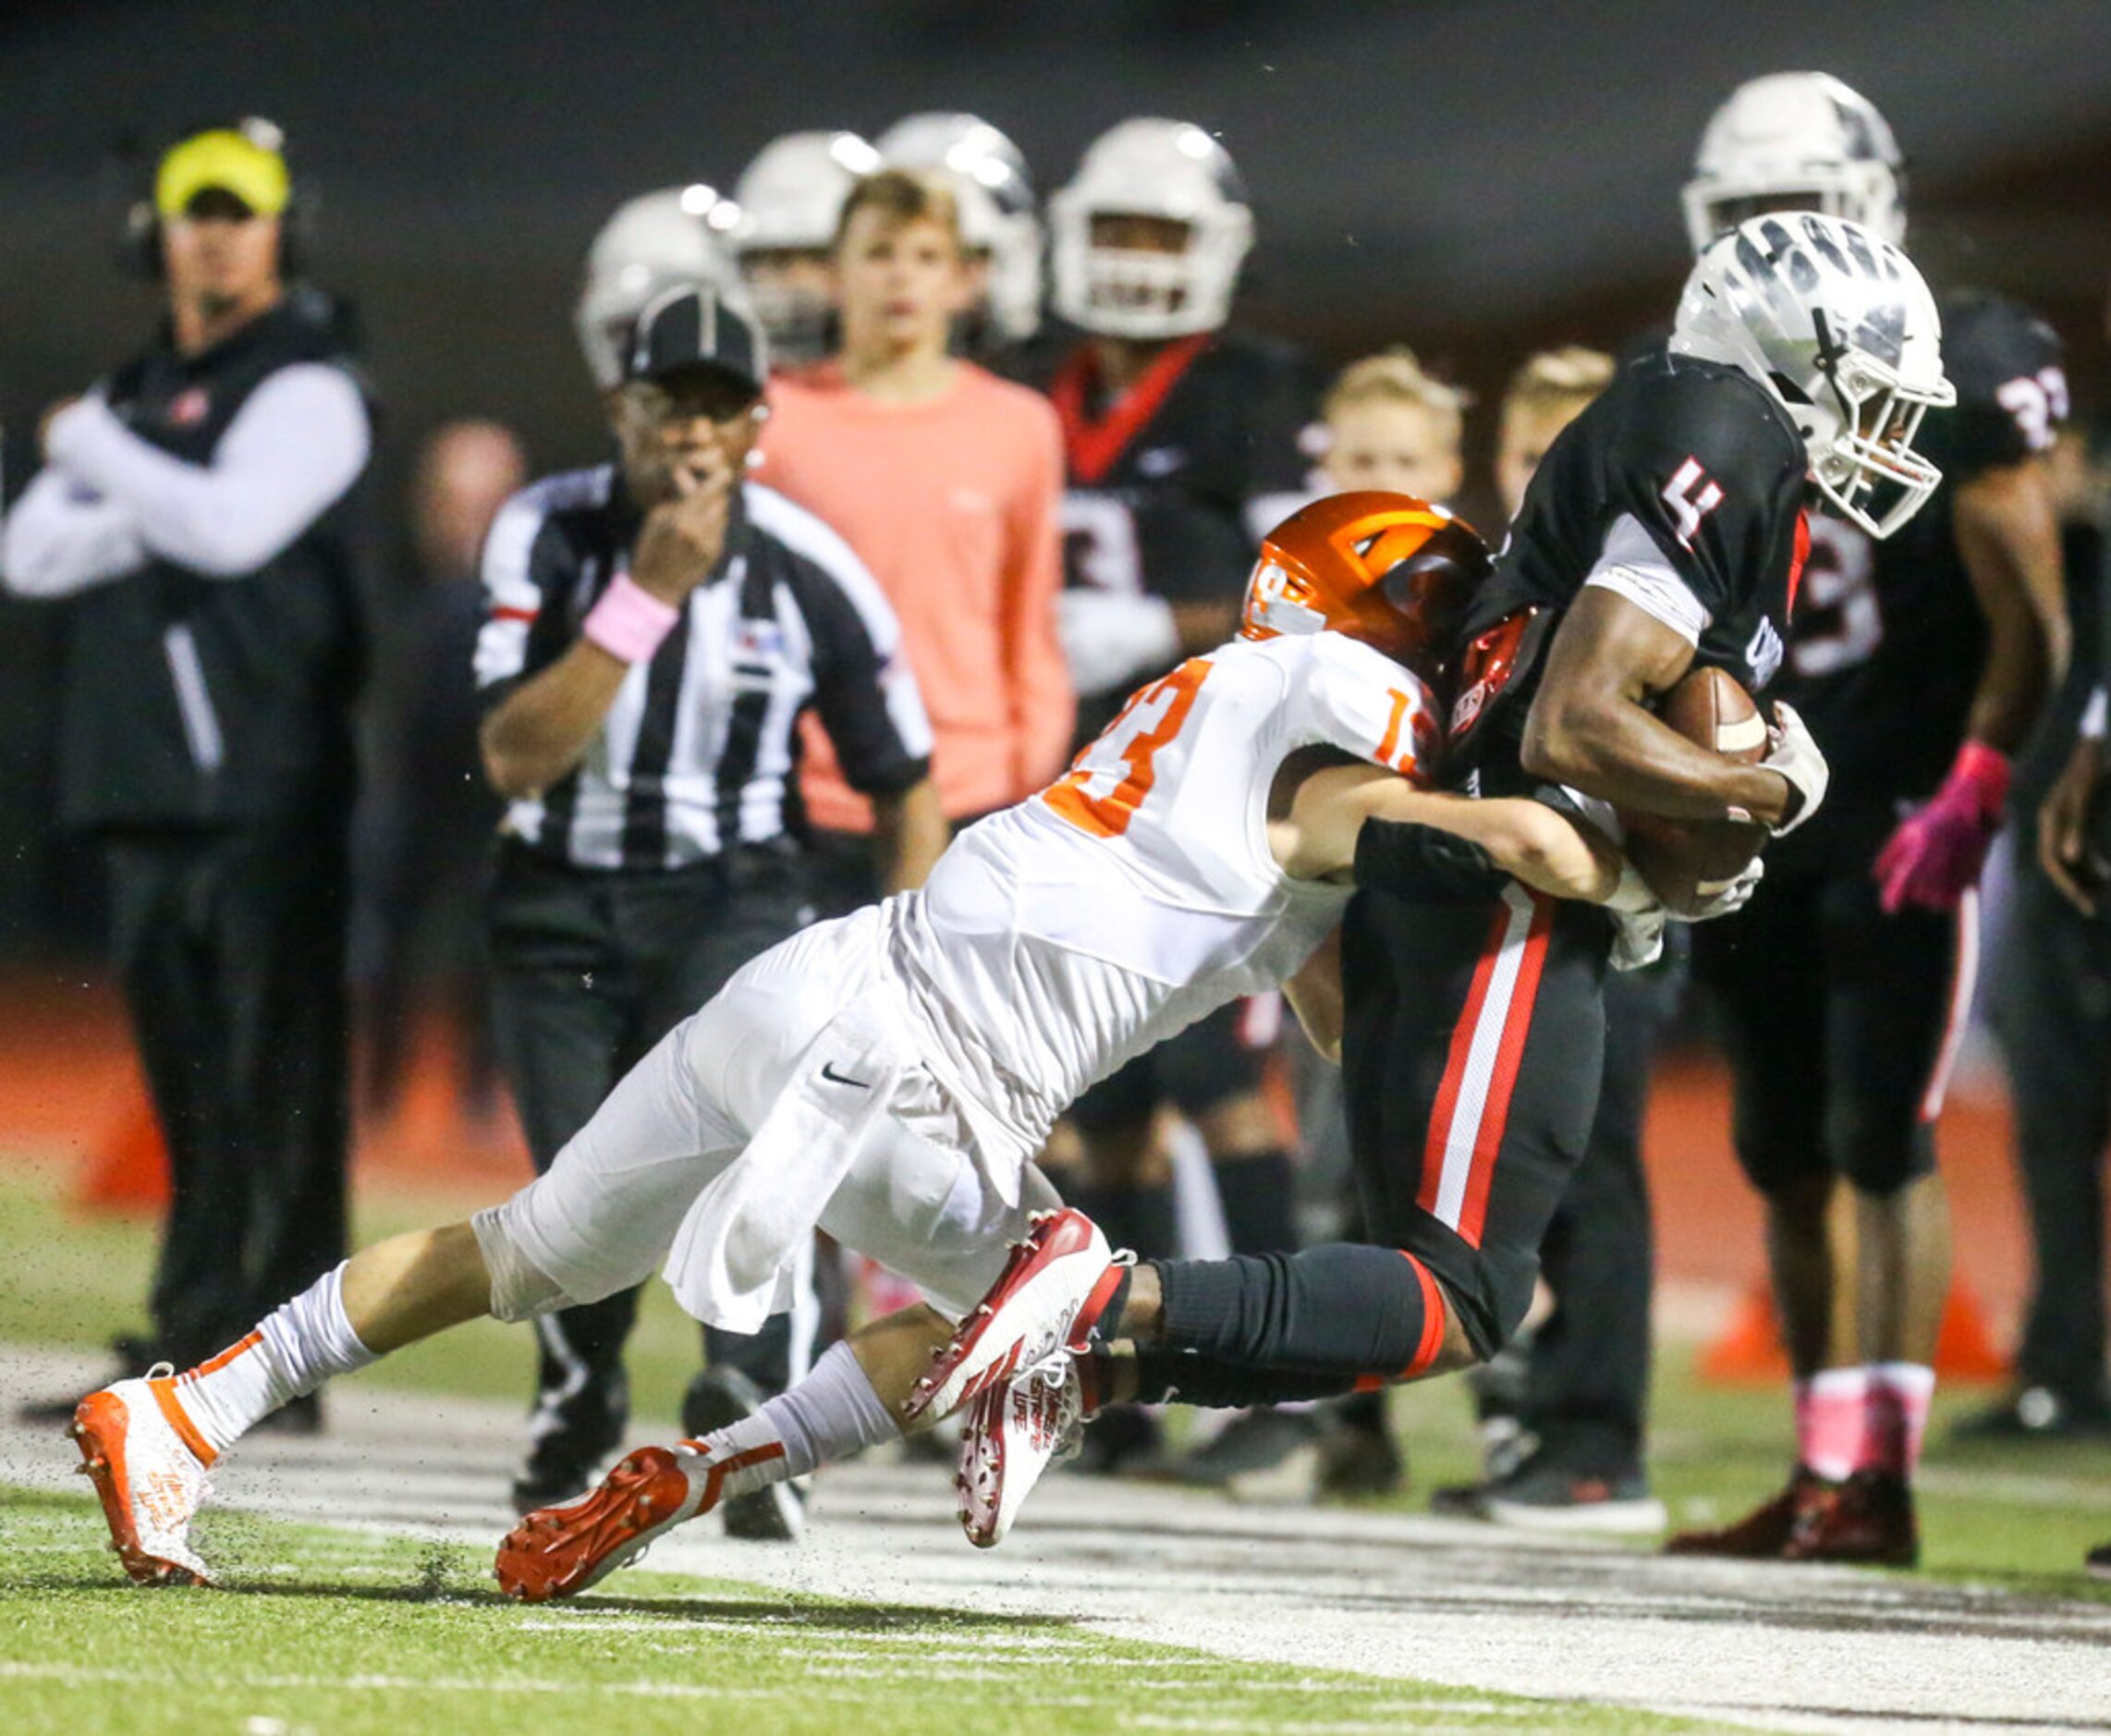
(1137, 893)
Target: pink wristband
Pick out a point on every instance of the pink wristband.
(629, 621)
(1982, 771)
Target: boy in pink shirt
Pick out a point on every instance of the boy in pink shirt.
(946, 480)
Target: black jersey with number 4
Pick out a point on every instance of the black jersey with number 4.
(1888, 641)
(1170, 485)
(1708, 469)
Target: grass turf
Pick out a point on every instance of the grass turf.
(347, 1632)
(2018, 1516)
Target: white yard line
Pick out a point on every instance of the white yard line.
(1377, 1594)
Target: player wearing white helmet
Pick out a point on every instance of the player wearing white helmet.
(1920, 652)
(790, 198)
(1181, 444)
(997, 221)
(654, 242)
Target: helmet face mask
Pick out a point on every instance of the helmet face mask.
(1838, 328)
(1162, 170)
(1795, 141)
(790, 198)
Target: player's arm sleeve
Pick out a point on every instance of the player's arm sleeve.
(864, 691)
(1044, 707)
(2011, 387)
(1706, 478)
(524, 574)
(292, 450)
(63, 537)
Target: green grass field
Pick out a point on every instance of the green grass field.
(351, 1633)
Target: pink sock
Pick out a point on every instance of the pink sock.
(1830, 1410)
(1898, 1417)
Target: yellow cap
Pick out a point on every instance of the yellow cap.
(227, 160)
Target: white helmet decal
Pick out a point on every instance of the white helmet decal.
(652, 243)
(1151, 168)
(1836, 325)
(1796, 141)
(988, 174)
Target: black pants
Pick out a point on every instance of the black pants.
(1586, 1394)
(230, 946)
(2052, 1006)
(1472, 1061)
(590, 969)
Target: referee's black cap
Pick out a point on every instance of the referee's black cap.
(697, 325)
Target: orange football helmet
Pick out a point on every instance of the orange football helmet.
(1391, 570)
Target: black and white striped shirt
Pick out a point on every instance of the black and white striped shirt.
(700, 751)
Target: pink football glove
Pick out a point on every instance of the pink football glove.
(1935, 857)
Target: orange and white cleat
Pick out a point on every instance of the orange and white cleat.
(561, 1550)
(1048, 1298)
(148, 1463)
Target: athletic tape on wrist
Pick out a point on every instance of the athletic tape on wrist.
(629, 621)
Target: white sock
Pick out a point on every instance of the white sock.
(293, 1351)
(830, 1414)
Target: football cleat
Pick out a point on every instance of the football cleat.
(1051, 1293)
(148, 1463)
(1015, 1432)
(1765, 1533)
(563, 1550)
(1869, 1521)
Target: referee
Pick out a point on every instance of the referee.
(653, 631)
(193, 507)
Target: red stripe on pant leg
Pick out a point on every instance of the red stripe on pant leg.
(1446, 1105)
(1495, 1116)
(1434, 1315)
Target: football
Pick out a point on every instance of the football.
(1687, 861)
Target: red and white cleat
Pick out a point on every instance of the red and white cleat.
(148, 1464)
(1015, 1432)
(560, 1550)
(1048, 1297)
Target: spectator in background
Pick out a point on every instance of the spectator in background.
(432, 840)
(194, 505)
(2052, 1012)
(1543, 397)
(946, 481)
(1390, 425)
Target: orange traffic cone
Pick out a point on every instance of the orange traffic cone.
(129, 1171)
(1748, 1351)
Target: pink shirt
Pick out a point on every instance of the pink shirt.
(952, 504)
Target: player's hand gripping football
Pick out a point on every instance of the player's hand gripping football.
(1792, 750)
(1936, 855)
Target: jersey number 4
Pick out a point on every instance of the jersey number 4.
(1107, 783)
(1692, 494)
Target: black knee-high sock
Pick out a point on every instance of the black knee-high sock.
(1259, 1194)
(1342, 1309)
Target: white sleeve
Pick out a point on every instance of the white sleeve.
(297, 443)
(1633, 567)
(62, 538)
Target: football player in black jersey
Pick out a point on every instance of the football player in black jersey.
(1663, 529)
(1921, 663)
(1181, 440)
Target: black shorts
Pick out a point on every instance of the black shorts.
(1471, 1063)
(1841, 1025)
(1211, 1061)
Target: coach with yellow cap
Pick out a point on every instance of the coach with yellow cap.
(194, 511)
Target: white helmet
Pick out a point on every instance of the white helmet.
(790, 197)
(1153, 168)
(1836, 323)
(653, 242)
(1796, 140)
(988, 174)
